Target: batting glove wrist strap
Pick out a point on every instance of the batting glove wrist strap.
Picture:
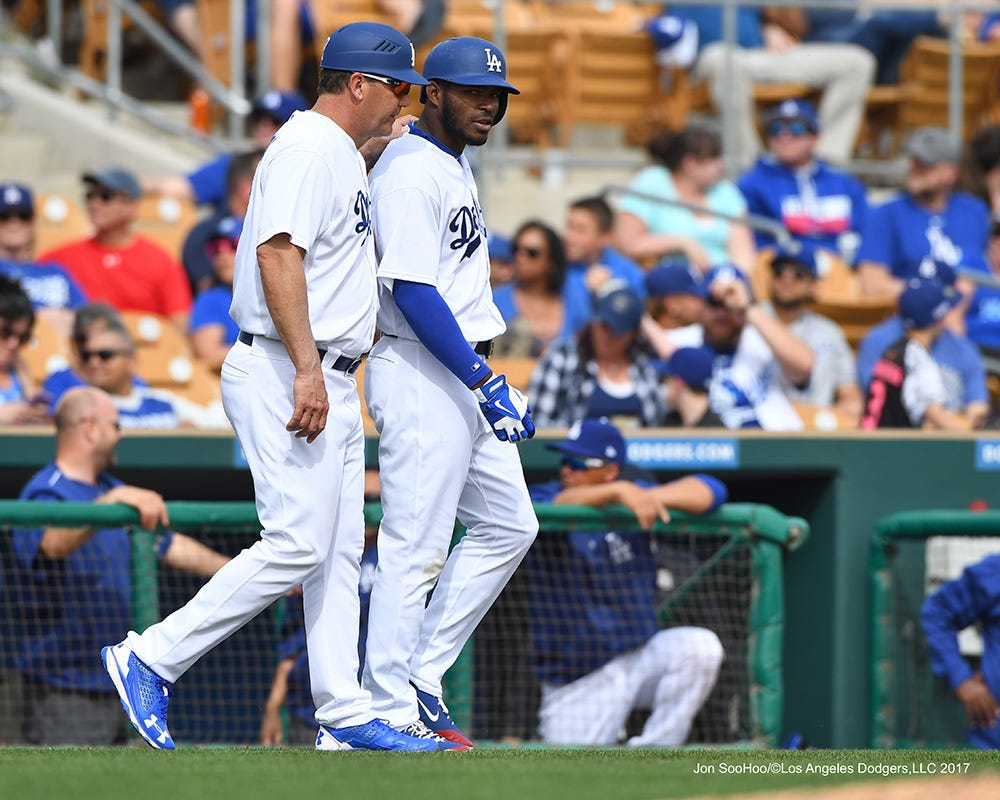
(506, 410)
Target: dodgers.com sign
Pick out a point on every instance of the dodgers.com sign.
(988, 455)
(684, 453)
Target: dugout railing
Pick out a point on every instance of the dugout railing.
(912, 553)
(725, 572)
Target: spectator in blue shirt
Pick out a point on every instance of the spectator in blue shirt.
(972, 598)
(817, 203)
(213, 331)
(52, 291)
(930, 223)
(207, 184)
(593, 261)
(73, 586)
(19, 404)
(597, 647)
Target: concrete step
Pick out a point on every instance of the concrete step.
(23, 157)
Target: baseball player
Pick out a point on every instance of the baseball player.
(447, 423)
(304, 296)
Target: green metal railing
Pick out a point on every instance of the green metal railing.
(766, 532)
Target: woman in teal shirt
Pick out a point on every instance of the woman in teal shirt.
(688, 167)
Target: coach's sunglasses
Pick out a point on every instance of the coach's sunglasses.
(21, 214)
(397, 87)
(580, 464)
(103, 355)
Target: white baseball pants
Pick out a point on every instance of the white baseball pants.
(438, 459)
(671, 675)
(310, 501)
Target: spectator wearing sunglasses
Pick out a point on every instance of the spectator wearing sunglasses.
(116, 265)
(817, 203)
(19, 404)
(834, 380)
(52, 291)
(598, 650)
(604, 371)
(930, 223)
(687, 167)
(213, 331)
(540, 305)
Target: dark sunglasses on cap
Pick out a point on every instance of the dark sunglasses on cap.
(797, 270)
(580, 464)
(104, 195)
(103, 354)
(795, 127)
(397, 87)
(7, 332)
(21, 214)
(530, 252)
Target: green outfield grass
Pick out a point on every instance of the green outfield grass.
(241, 773)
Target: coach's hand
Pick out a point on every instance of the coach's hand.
(980, 704)
(506, 409)
(311, 405)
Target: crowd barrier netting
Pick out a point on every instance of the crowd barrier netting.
(722, 571)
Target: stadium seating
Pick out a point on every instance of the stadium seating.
(167, 221)
(59, 220)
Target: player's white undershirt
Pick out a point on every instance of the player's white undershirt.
(317, 192)
(430, 230)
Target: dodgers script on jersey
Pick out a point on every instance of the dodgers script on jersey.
(310, 163)
(443, 242)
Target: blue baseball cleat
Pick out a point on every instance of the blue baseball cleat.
(435, 715)
(374, 735)
(143, 693)
(420, 731)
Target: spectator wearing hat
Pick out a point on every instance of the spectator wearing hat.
(52, 291)
(817, 203)
(687, 378)
(587, 237)
(539, 305)
(688, 168)
(604, 371)
(907, 387)
(239, 181)
(501, 252)
(756, 355)
(956, 358)
(930, 222)
(982, 317)
(598, 650)
(213, 331)
(207, 184)
(768, 50)
(676, 296)
(834, 380)
(116, 265)
(19, 404)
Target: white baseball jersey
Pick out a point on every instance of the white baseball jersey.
(746, 386)
(316, 192)
(429, 229)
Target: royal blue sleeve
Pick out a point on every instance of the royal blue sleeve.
(436, 327)
(953, 607)
(719, 491)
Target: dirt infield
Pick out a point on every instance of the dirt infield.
(966, 787)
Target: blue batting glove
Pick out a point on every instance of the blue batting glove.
(506, 409)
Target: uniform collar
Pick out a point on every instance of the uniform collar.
(440, 145)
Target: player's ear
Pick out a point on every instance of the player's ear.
(432, 91)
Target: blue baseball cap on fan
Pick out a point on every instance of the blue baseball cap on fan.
(371, 47)
(937, 270)
(619, 307)
(671, 279)
(792, 110)
(117, 180)
(229, 227)
(278, 106)
(693, 365)
(16, 197)
(593, 438)
(799, 253)
(926, 301)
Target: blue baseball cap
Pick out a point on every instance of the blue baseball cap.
(619, 307)
(801, 253)
(278, 106)
(229, 227)
(593, 438)
(500, 247)
(16, 197)
(726, 272)
(937, 270)
(925, 301)
(117, 179)
(675, 38)
(671, 279)
(371, 47)
(693, 365)
(793, 109)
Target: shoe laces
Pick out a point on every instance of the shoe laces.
(419, 730)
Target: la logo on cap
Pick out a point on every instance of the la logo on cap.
(575, 431)
(12, 195)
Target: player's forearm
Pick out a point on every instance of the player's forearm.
(687, 494)
(284, 282)
(603, 494)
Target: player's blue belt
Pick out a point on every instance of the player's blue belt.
(342, 364)
(483, 348)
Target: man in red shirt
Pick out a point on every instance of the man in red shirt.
(117, 266)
